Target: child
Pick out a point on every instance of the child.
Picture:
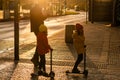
(78, 42)
(42, 47)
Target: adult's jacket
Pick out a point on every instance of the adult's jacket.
(36, 18)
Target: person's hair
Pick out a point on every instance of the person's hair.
(79, 29)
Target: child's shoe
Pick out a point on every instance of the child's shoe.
(40, 73)
(45, 74)
(75, 71)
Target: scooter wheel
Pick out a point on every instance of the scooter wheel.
(85, 73)
(33, 75)
(52, 78)
(67, 72)
(52, 74)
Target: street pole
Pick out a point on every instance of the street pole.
(86, 11)
(51, 6)
(65, 6)
(59, 8)
(16, 30)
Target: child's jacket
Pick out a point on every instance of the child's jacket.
(78, 42)
(42, 43)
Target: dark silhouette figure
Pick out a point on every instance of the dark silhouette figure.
(36, 19)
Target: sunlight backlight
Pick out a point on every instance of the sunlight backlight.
(42, 3)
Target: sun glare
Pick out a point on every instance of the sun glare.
(42, 3)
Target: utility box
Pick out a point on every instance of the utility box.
(68, 33)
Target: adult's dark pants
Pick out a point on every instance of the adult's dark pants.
(35, 57)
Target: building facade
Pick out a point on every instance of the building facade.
(104, 10)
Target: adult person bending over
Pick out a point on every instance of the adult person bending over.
(36, 19)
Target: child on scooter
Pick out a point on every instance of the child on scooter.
(78, 42)
(42, 47)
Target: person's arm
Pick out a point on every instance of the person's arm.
(46, 44)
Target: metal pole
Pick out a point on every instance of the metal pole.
(92, 9)
(59, 8)
(16, 30)
(113, 18)
(65, 6)
(52, 5)
(86, 11)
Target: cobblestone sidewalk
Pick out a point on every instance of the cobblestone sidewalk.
(103, 48)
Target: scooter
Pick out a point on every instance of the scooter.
(85, 72)
(51, 74)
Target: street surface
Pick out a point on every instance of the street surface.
(7, 29)
(103, 52)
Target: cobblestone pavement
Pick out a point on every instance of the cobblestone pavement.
(103, 56)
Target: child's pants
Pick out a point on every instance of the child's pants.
(42, 63)
(79, 59)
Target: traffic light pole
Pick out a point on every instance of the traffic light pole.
(16, 30)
